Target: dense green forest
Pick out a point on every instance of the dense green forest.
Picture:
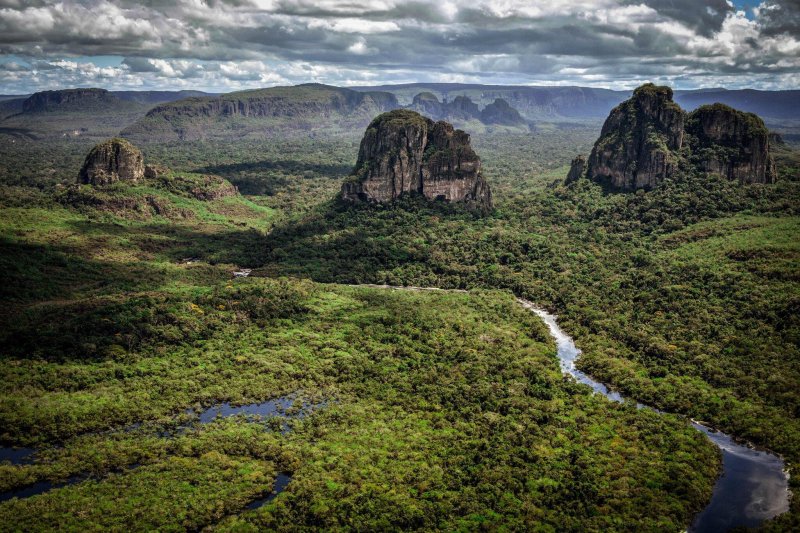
(437, 410)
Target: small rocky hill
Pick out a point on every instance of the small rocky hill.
(639, 140)
(403, 152)
(111, 161)
(647, 138)
(499, 112)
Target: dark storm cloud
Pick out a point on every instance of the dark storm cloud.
(245, 43)
(780, 17)
(705, 17)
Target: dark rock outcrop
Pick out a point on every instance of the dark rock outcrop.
(731, 143)
(576, 169)
(639, 140)
(403, 152)
(646, 138)
(111, 161)
(499, 112)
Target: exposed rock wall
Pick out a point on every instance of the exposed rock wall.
(576, 169)
(403, 152)
(111, 161)
(637, 144)
(731, 143)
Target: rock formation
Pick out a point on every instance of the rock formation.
(731, 143)
(576, 169)
(111, 161)
(463, 108)
(645, 138)
(428, 104)
(637, 144)
(499, 112)
(403, 152)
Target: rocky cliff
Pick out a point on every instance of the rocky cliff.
(731, 143)
(639, 140)
(403, 152)
(646, 138)
(112, 161)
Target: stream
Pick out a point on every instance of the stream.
(753, 487)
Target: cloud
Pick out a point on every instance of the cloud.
(231, 44)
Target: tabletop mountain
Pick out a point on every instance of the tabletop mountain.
(403, 152)
(646, 138)
(111, 161)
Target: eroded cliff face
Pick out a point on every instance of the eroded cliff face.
(403, 152)
(731, 143)
(111, 161)
(639, 140)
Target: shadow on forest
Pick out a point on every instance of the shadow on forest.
(346, 243)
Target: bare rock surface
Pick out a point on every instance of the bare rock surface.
(649, 138)
(403, 152)
(111, 161)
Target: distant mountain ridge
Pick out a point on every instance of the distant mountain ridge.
(552, 102)
(80, 112)
(156, 116)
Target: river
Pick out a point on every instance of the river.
(754, 485)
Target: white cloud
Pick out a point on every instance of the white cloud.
(249, 43)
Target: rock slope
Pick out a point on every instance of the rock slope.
(648, 137)
(403, 152)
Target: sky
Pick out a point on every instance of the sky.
(226, 45)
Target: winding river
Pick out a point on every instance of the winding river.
(753, 487)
